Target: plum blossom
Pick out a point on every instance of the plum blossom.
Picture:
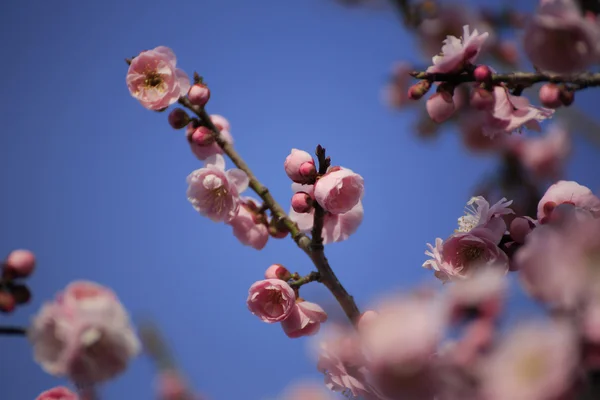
(536, 361)
(560, 39)
(336, 227)
(19, 263)
(479, 214)
(58, 393)
(247, 226)
(512, 113)
(300, 167)
(339, 190)
(456, 53)
(214, 192)
(201, 139)
(484, 292)
(306, 391)
(305, 320)
(567, 192)
(84, 334)
(271, 300)
(154, 80)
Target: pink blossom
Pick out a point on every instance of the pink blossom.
(278, 271)
(559, 39)
(305, 320)
(405, 333)
(171, 386)
(463, 254)
(471, 124)
(550, 95)
(456, 53)
(201, 139)
(199, 94)
(536, 361)
(440, 106)
(271, 300)
(544, 156)
(396, 92)
(154, 80)
(300, 167)
(339, 190)
(520, 227)
(306, 391)
(511, 113)
(484, 291)
(336, 227)
(302, 202)
(58, 393)
(479, 214)
(214, 192)
(567, 192)
(84, 334)
(248, 227)
(19, 263)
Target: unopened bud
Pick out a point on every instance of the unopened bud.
(440, 106)
(550, 95)
(278, 271)
(7, 302)
(202, 136)
(199, 94)
(567, 96)
(21, 293)
(19, 264)
(482, 73)
(277, 229)
(520, 227)
(302, 202)
(178, 118)
(418, 90)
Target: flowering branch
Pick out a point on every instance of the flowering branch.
(583, 80)
(313, 248)
(13, 330)
(312, 277)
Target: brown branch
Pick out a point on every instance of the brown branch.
(313, 248)
(13, 330)
(312, 277)
(582, 80)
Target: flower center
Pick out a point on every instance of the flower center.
(153, 80)
(469, 254)
(531, 367)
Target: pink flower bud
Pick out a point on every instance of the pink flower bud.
(301, 202)
(271, 300)
(19, 264)
(550, 95)
(339, 190)
(170, 386)
(482, 73)
(277, 228)
(199, 94)
(418, 90)
(7, 302)
(58, 393)
(178, 118)
(20, 293)
(440, 107)
(300, 167)
(304, 320)
(278, 271)
(201, 136)
(567, 96)
(520, 227)
(482, 99)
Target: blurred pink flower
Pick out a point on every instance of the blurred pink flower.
(536, 361)
(395, 93)
(336, 227)
(512, 113)
(214, 192)
(339, 190)
(84, 334)
(171, 386)
(485, 291)
(58, 393)
(19, 263)
(305, 320)
(247, 228)
(471, 125)
(154, 80)
(440, 106)
(560, 39)
(456, 53)
(300, 167)
(271, 300)
(567, 192)
(306, 391)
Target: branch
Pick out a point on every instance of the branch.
(582, 80)
(13, 330)
(313, 276)
(314, 249)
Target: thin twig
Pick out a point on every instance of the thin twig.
(13, 330)
(312, 277)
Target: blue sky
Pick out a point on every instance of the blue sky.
(94, 184)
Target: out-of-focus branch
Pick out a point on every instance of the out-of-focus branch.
(313, 248)
(13, 330)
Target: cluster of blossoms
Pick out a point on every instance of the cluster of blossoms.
(18, 265)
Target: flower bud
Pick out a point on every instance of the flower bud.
(7, 302)
(301, 202)
(520, 227)
(482, 99)
(482, 73)
(178, 118)
(418, 90)
(277, 228)
(199, 94)
(567, 96)
(278, 271)
(19, 264)
(440, 106)
(550, 95)
(300, 167)
(202, 136)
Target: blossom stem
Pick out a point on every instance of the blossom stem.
(313, 276)
(583, 80)
(13, 330)
(313, 248)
